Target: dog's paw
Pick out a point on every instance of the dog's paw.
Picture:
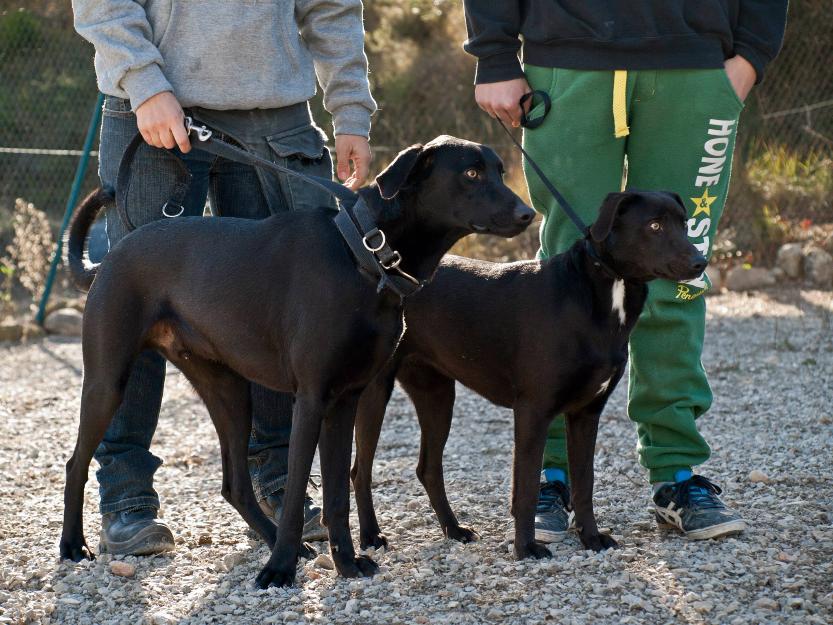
(462, 534)
(75, 550)
(358, 566)
(532, 550)
(275, 576)
(377, 541)
(598, 542)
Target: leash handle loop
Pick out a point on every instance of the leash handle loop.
(565, 205)
(545, 98)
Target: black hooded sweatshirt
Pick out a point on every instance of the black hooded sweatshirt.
(621, 34)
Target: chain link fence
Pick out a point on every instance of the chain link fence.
(783, 176)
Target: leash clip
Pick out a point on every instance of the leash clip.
(395, 260)
(203, 133)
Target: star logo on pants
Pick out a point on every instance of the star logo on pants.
(703, 204)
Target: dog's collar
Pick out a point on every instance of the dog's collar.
(373, 253)
(597, 261)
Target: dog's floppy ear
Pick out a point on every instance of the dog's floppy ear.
(393, 178)
(676, 198)
(607, 215)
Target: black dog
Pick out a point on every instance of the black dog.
(280, 302)
(541, 337)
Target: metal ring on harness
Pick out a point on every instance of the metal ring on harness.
(167, 214)
(374, 233)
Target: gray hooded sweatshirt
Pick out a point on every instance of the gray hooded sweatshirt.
(233, 54)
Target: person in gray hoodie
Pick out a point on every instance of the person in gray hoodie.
(249, 70)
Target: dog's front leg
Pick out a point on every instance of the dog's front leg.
(306, 426)
(335, 446)
(582, 427)
(530, 436)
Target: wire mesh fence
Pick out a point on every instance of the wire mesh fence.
(783, 176)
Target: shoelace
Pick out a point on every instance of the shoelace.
(698, 492)
(553, 494)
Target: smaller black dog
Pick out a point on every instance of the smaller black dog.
(541, 337)
(281, 302)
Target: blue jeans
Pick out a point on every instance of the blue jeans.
(287, 136)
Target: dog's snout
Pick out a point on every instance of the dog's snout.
(698, 263)
(523, 214)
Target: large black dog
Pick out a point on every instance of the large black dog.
(280, 302)
(541, 337)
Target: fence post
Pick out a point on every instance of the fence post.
(73, 198)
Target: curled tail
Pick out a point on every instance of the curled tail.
(82, 270)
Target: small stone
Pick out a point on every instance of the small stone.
(233, 559)
(413, 504)
(162, 618)
(765, 603)
(122, 569)
(64, 321)
(796, 603)
(758, 476)
(703, 606)
(352, 606)
(10, 331)
(204, 539)
(324, 561)
(421, 619)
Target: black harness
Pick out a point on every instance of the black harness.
(354, 220)
(589, 243)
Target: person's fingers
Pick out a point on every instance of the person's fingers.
(181, 137)
(343, 152)
(361, 168)
(505, 116)
(167, 138)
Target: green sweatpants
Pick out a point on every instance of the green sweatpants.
(682, 133)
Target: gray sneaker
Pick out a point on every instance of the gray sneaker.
(135, 533)
(693, 507)
(313, 530)
(552, 517)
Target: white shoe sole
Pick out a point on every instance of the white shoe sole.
(715, 531)
(549, 536)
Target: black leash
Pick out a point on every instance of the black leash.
(354, 219)
(562, 201)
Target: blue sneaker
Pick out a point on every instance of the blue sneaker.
(693, 507)
(553, 516)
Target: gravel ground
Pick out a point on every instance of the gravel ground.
(770, 356)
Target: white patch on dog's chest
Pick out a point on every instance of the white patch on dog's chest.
(604, 386)
(618, 297)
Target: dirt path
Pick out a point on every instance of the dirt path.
(770, 357)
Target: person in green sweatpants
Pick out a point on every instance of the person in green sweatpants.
(646, 97)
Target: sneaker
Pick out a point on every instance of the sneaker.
(313, 530)
(693, 507)
(134, 532)
(552, 517)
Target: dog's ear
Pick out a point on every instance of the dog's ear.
(676, 198)
(393, 178)
(607, 215)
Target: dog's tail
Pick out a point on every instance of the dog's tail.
(82, 270)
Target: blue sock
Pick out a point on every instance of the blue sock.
(681, 475)
(555, 475)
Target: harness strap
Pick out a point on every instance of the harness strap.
(354, 220)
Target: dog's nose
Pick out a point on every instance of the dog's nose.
(698, 263)
(523, 214)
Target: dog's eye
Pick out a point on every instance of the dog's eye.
(655, 226)
(472, 174)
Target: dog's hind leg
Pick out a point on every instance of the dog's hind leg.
(227, 397)
(433, 396)
(307, 415)
(100, 398)
(369, 418)
(335, 447)
(582, 427)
